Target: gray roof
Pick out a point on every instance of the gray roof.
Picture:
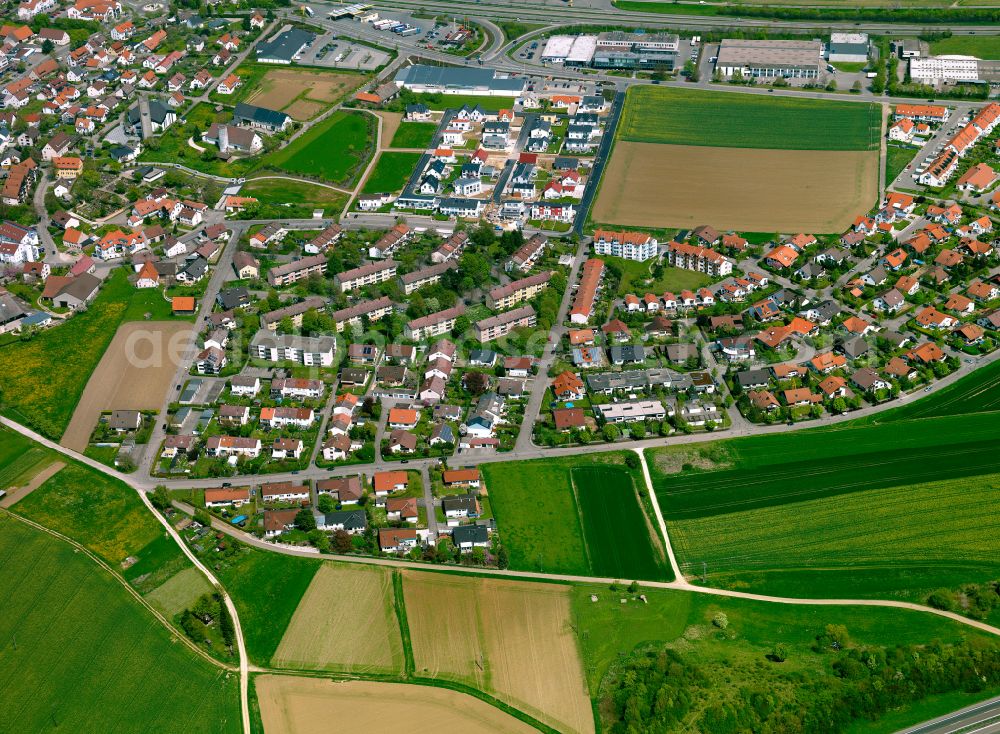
(459, 78)
(258, 115)
(285, 45)
(750, 378)
(350, 519)
(470, 534)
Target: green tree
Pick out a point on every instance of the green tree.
(503, 558)
(326, 503)
(610, 432)
(202, 517)
(342, 542)
(305, 520)
(160, 497)
(226, 627)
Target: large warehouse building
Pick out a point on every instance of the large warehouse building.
(482, 82)
(849, 48)
(944, 69)
(770, 59)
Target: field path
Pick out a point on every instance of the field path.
(679, 578)
(19, 493)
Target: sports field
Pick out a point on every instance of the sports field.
(333, 150)
(678, 116)
(391, 172)
(744, 162)
(546, 528)
(290, 705)
(324, 633)
(792, 190)
(82, 655)
(511, 639)
(134, 374)
(607, 502)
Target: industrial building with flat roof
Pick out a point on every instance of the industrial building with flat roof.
(849, 48)
(455, 80)
(770, 59)
(939, 69)
(284, 47)
(570, 50)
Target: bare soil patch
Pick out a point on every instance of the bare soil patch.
(291, 705)
(750, 190)
(134, 374)
(19, 493)
(509, 638)
(310, 91)
(390, 124)
(324, 632)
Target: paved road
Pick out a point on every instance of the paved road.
(981, 718)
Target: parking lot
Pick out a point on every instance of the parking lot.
(340, 53)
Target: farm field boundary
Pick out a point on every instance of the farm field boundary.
(665, 186)
(134, 374)
(301, 705)
(511, 639)
(322, 633)
(720, 119)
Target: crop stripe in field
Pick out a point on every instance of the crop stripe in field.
(399, 605)
(121, 580)
(579, 516)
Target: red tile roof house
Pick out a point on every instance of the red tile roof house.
(401, 509)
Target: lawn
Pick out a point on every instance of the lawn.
(20, 458)
(983, 47)
(391, 172)
(172, 146)
(898, 157)
(53, 366)
(334, 150)
(734, 661)
(618, 539)
(287, 193)
(96, 511)
(720, 119)
(635, 274)
(413, 135)
(266, 588)
(455, 101)
(545, 528)
(81, 655)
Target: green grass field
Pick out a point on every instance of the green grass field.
(334, 150)
(413, 135)
(546, 528)
(898, 157)
(454, 101)
(978, 392)
(20, 458)
(391, 172)
(763, 471)
(284, 192)
(266, 588)
(619, 544)
(735, 660)
(983, 47)
(695, 117)
(53, 366)
(81, 655)
(635, 274)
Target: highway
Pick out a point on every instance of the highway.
(980, 718)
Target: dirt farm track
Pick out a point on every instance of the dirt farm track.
(748, 190)
(133, 374)
(291, 705)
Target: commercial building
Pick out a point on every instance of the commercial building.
(483, 82)
(849, 48)
(944, 69)
(285, 47)
(570, 50)
(770, 59)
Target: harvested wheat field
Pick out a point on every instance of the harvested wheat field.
(302, 94)
(509, 638)
(134, 374)
(748, 190)
(291, 705)
(325, 634)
